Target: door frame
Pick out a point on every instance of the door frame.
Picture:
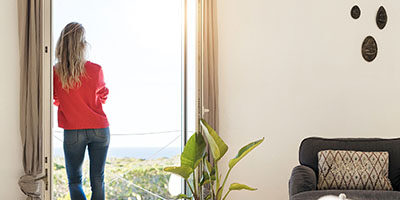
(47, 98)
(48, 125)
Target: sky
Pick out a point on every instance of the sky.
(138, 44)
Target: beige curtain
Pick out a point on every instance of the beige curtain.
(30, 49)
(210, 62)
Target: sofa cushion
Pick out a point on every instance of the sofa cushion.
(310, 147)
(349, 170)
(350, 194)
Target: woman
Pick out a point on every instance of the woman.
(79, 92)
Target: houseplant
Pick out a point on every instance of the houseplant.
(198, 172)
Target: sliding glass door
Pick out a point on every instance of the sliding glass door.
(148, 61)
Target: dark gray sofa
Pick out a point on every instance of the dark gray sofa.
(303, 181)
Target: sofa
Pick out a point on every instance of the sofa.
(304, 178)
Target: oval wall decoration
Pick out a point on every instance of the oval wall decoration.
(369, 49)
(355, 12)
(381, 18)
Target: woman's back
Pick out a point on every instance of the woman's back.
(80, 107)
(79, 92)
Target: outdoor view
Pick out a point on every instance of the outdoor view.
(138, 43)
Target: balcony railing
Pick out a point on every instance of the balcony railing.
(126, 178)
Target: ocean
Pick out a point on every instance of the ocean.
(132, 152)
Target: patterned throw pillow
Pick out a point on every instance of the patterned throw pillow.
(353, 170)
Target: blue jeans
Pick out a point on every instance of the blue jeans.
(75, 142)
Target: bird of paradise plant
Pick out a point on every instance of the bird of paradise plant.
(195, 165)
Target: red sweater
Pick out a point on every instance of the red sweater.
(81, 107)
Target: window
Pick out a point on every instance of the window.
(141, 47)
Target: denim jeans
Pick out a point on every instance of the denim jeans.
(75, 143)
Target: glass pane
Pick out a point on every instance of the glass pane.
(191, 66)
(138, 45)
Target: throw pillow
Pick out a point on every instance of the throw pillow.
(353, 170)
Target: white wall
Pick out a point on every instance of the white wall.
(291, 69)
(10, 142)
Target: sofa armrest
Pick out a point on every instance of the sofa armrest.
(302, 179)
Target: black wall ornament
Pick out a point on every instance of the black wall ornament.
(369, 49)
(381, 18)
(355, 12)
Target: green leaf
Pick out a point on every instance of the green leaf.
(208, 197)
(217, 145)
(238, 186)
(182, 196)
(182, 171)
(194, 151)
(244, 151)
(204, 179)
(208, 165)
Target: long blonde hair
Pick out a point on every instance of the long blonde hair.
(70, 55)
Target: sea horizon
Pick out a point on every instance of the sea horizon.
(132, 152)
